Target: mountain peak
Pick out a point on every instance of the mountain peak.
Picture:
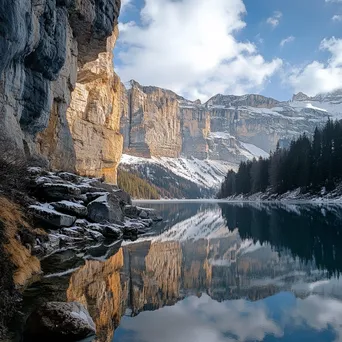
(250, 100)
(300, 97)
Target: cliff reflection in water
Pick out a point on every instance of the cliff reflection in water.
(199, 251)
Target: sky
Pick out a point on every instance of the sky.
(200, 48)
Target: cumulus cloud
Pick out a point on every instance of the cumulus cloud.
(287, 40)
(189, 46)
(319, 313)
(203, 319)
(337, 17)
(318, 77)
(275, 19)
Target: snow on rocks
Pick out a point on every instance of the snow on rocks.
(78, 211)
(59, 191)
(50, 216)
(105, 209)
(72, 208)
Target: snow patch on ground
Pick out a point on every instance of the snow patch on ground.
(255, 151)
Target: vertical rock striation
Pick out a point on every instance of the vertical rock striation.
(153, 121)
(44, 44)
(94, 116)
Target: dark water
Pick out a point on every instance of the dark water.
(218, 273)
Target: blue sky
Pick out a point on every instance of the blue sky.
(199, 48)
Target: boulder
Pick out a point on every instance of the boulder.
(92, 196)
(70, 177)
(95, 235)
(105, 209)
(57, 191)
(52, 217)
(132, 211)
(143, 214)
(152, 214)
(96, 183)
(131, 231)
(108, 231)
(54, 321)
(123, 196)
(71, 208)
(76, 232)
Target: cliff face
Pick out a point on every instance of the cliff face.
(47, 46)
(157, 121)
(154, 122)
(94, 116)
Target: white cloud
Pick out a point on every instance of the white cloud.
(287, 40)
(319, 313)
(318, 77)
(189, 46)
(337, 17)
(275, 19)
(203, 319)
(125, 4)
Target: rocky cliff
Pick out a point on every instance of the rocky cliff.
(227, 127)
(168, 134)
(51, 48)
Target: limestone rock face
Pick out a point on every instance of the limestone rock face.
(94, 116)
(226, 128)
(195, 129)
(43, 43)
(154, 122)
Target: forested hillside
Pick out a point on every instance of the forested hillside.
(137, 187)
(310, 163)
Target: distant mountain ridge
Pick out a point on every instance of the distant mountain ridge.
(162, 124)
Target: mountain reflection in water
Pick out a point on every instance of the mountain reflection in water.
(221, 273)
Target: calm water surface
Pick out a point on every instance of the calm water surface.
(217, 273)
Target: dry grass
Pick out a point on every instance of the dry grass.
(25, 264)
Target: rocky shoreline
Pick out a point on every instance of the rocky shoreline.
(69, 219)
(76, 211)
(297, 195)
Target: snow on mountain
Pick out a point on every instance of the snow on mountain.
(198, 143)
(255, 151)
(206, 173)
(204, 225)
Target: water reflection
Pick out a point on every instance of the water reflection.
(221, 273)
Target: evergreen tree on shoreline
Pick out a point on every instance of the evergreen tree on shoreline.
(308, 164)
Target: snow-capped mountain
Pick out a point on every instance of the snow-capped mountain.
(177, 140)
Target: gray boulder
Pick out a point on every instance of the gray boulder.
(92, 196)
(105, 209)
(70, 177)
(71, 208)
(59, 322)
(152, 214)
(143, 214)
(58, 191)
(75, 232)
(123, 196)
(51, 216)
(130, 232)
(108, 231)
(132, 211)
